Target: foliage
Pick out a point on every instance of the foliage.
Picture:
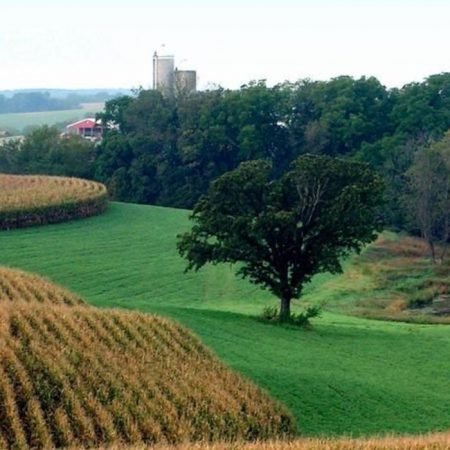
(270, 314)
(36, 200)
(284, 231)
(180, 145)
(168, 151)
(302, 318)
(45, 151)
(76, 376)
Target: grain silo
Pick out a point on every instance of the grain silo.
(185, 81)
(164, 73)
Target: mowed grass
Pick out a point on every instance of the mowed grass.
(20, 121)
(347, 375)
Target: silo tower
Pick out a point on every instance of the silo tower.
(185, 81)
(164, 73)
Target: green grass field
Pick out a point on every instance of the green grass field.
(20, 121)
(345, 376)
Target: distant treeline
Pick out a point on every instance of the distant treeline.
(36, 101)
(166, 151)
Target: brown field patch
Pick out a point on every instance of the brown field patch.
(27, 200)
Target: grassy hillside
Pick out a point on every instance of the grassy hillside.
(20, 121)
(393, 279)
(346, 376)
(75, 375)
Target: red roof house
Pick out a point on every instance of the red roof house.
(86, 128)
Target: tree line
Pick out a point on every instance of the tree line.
(35, 102)
(166, 151)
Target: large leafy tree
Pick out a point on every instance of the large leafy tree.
(284, 231)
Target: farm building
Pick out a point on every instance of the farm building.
(86, 128)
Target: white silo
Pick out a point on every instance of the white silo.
(164, 73)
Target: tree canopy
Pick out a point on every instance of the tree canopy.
(45, 151)
(167, 151)
(283, 231)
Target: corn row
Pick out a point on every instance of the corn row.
(20, 287)
(29, 191)
(27, 200)
(77, 376)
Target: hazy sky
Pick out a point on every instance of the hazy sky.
(108, 43)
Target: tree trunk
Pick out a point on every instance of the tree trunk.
(432, 251)
(285, 309)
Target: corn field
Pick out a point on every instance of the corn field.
(73, 375)
(27, 200)
(20, 287)
(437, 441)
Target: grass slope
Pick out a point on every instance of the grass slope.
(346, 376)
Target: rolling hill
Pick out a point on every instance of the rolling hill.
(346, 376)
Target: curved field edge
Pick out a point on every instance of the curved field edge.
(348, 376)
(29, 200)
(88, 377)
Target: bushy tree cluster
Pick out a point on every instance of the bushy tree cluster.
(168, 150)
(45, 151)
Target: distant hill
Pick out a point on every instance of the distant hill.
(36, 100)
(62, 93)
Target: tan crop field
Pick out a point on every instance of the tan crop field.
(79, 376)
(33, 199)
(21, 287)
(437, 441)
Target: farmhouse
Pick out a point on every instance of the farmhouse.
(88, 128)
